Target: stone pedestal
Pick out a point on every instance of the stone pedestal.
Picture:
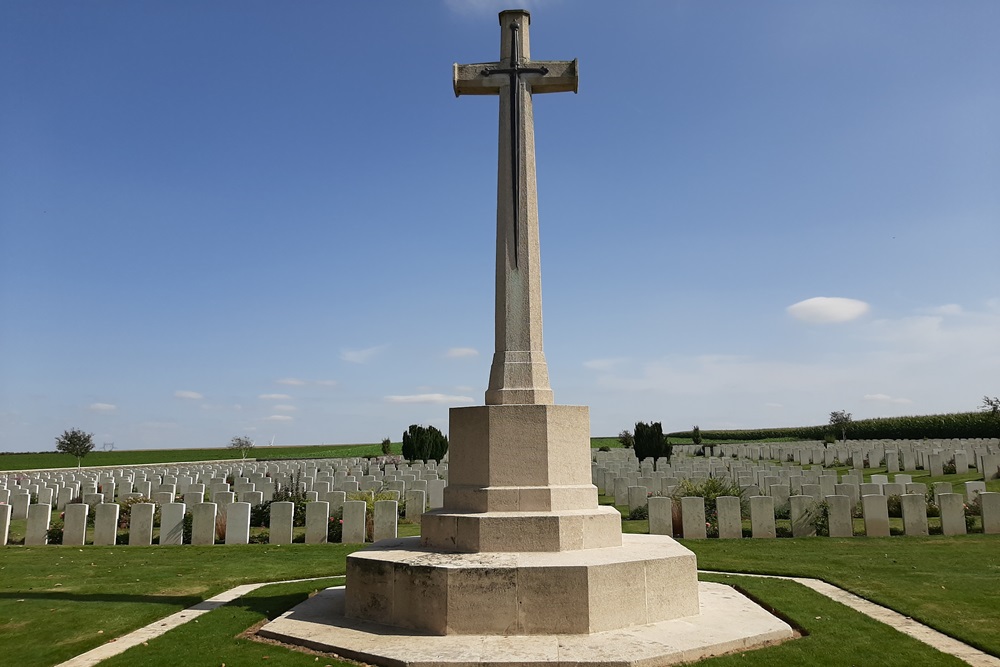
(399, 583)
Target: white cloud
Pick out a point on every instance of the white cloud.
(275, 397)
(285, 408)
(437, 399)
(188, 395)
(603, 365)
(102, 407)
(828, 310)
(885, 398)
(293, 382)
(361, 356)
(277, 418)
(460, 352)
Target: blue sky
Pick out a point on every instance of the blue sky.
(275, 219)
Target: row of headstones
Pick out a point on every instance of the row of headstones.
(192, 493)
(206, 521)
(751, 476)
(803, 512)
(781, 488)
(903, 455)
(896, 455)
(332, 471)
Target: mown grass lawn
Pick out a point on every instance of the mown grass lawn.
(56, 602)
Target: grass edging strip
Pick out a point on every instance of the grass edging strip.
(893, 619)
(162, 626)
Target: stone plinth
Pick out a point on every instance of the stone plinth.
(650, 578)
(520, 481)
(727, 622)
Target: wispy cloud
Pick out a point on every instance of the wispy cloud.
(361, 356)
(828, 310)
(461, 352)
(436, 399)
(285, 408)
(188, 395)
(603, 365)
(300, 382)
(885, 398)
(102, 407)
(275, 397)
(946, 309)
(277, 418)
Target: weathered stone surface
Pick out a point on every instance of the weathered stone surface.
(106, 523)
(762, 516)
(140, 527)
(281, 522)
(317, 522)
(203, 523)
(75, 524)
(401, 584)
(914, 514)
(172, 523)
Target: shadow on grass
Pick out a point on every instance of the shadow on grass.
(181, 600)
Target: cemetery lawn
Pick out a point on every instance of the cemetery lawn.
(835, 636)
(57, 602)
(948, 583)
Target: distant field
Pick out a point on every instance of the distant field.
(31, 461)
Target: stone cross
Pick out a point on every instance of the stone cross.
(519, 374)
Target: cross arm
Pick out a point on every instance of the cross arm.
(563, 76)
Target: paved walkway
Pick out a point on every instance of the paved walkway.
(157, 628)
(895, 620)
(904, 624)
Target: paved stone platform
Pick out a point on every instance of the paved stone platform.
(728, 622)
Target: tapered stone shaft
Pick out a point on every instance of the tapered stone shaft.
(519, 374)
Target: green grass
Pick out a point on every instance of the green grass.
(41, 460)
(214, 639)
(31, 461)
(948, 583)
(57, 602)
(835, 636)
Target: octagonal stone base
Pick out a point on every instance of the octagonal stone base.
(728, 622)
(650, 578)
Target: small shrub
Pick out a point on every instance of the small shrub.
(258, 537)
(386, 447)
(335, 527)
(626, 439)
(821, 518)
(220, 528)
(975, 508)
(783, 511)
(933, 509)
(604, 448)
(782, 531)
(639, 513)
(54, 535)
(895, 506)
(829, 438)
(949, 467)
(857, 512)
